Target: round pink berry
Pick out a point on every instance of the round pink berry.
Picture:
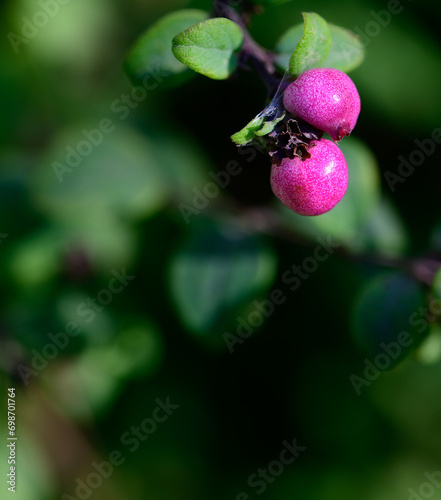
(327, 99)
(315, 185)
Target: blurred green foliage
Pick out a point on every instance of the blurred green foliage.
(100, 352)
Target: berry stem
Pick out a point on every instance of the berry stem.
(251, 53)
(269, 222)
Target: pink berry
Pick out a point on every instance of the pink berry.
(315, 185)
(327, 99)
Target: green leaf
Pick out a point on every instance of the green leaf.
(99, 372)
(75, 40)
(286, 45)
(119, 175)
(429, 352)
(393, 395)
(35, 259)
(364, 191)
(257, 127)
(248, 133)
(263, 124)
(217, 271)
(346, 52)
(314, 46)
(94, 332)
(387, 306)
(210, 47)
(151, 55)
(269, 126)
(384, 231)
(106, 239)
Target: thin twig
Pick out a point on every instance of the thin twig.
(251, 52)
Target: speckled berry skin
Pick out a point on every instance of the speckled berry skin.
(315, 185)
(327, 99)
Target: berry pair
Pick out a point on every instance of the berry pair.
(328, 100)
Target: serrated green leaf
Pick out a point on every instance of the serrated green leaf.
(247, 134)
(314, 46)
(151, 55)
(346, 52)
(217, 271)
(384, 309)
(210, 47)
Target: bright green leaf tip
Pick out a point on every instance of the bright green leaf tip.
(314, 45)
(247, 134)
(346, 52)
(257, 127)
(269, 126)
